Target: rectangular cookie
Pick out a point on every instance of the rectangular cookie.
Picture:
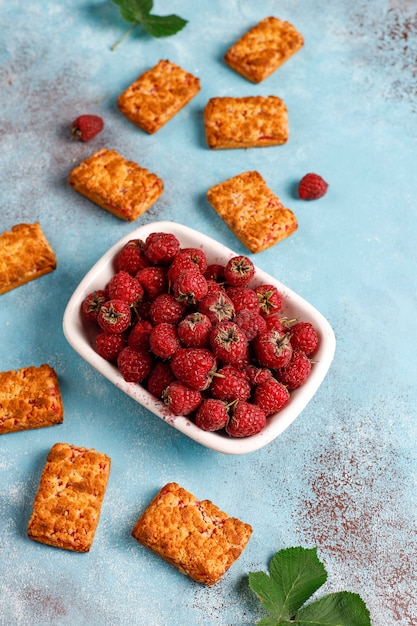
(157, 95)
(119, 186)
(25, 255)
(30, 397)
(252, 211)
(67, 505)
(195, 536)
(264, 48)
(249, 122)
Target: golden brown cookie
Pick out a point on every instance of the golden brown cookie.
(252, 211)
(264, 48)
(249, 122)
(116, 185)
(25, 255)
(30, 397)
(68, 503)
(157, 95)
(195, 536)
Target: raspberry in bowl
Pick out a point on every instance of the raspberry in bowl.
(195, 339)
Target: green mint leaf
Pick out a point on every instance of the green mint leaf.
(336, 609)
(163, 26)
(134, 10)
(295, 574)
(269, 621)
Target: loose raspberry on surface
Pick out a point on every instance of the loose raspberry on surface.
(92, 304)
(271, 396)
(312, 187)
(86, 127)
(194, 367)
(109, 345)
(228, 342)
(296, 372)
(212, 415)
(134, 365)
(161, 248)
(304, 337)
(114, 316)
(247, 419)
(131, 257)
(181, 399)
(239, 270)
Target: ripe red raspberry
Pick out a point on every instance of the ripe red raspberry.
(131, 257)
(246, 420)
(163, 340)
(229, 384)
(194, 330)
(257, 375)
(108, 345)
(217, 306)
(212, 415)
(92, 304)
(270, 300)
(86, 127)
(215, 271)
(312, 187)
(134, 365)
(122, 286)
(161, 248)
(304, 337)
(114, 316)
(275, 321)
(198, 256)
(190, 287)
(273, 349)
(159, 378)
(296, 372)
(251, 322)
(228, 342)
(165, 308)
(139, 335)
(271, 396)
(180, 399)
(194, 367)
(243, 298)
(153, 280)
(214, 287)
(239, 270)
(182, 262)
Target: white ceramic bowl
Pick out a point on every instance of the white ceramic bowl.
(80, 335)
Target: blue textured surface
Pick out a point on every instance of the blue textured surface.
(343, 476)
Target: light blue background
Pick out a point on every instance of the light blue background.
(343, 476)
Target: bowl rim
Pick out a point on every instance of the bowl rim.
(74, 328)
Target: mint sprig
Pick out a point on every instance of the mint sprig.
(295, 574)
(138, 13)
